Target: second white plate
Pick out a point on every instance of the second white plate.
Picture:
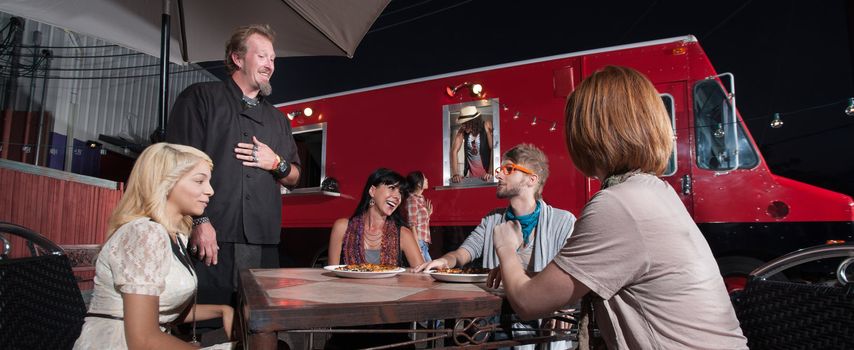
(459, 277)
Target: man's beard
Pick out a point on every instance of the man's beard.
(506, 192)
(266, 89)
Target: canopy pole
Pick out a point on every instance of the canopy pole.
(47, 54)
(162, 105)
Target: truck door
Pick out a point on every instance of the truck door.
(678, 173)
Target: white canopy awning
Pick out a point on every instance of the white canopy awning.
(303, 27)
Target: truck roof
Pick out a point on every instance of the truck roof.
(685, 38)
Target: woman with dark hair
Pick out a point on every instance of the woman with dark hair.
(418, 211)
(377, 233)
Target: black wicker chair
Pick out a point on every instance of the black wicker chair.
(788, 315)
(40, 304)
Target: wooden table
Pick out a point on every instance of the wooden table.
(304, 298)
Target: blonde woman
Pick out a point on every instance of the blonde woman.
(144, 280)
(636, 256)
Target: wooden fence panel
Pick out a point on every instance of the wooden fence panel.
(61, 207)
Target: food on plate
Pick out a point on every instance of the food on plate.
(367, 268)
(465, 271)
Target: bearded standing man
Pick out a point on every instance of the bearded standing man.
(253, 151)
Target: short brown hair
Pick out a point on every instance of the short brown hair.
(616, 123)
(237, 42)
(532, 158)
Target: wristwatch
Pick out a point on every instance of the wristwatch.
(282, 170)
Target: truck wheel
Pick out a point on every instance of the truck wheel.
(735, 269)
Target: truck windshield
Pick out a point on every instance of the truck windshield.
(712, 112)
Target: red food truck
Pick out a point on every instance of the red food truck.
(748, 214)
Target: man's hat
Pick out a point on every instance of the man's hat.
(467, 113)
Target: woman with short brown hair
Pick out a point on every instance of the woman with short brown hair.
(618, 124)
(636, 255)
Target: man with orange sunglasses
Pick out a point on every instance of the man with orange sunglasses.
(521, 177)
(545, 229)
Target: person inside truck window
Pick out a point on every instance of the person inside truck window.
(523, 173)
(376, 233)
(636, 257)
(474, 137)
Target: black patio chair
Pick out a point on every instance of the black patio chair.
(790, 315)
(40, 304)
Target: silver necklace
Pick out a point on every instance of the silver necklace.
(250, 102)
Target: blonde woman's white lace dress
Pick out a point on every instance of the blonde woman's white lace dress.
(137, 259)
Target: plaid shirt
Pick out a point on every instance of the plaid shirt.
(419, 218)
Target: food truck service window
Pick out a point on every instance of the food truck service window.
(311, 148)
(471, 146)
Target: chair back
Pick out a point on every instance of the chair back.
(41, 306)
(789, 315)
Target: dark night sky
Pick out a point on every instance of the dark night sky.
(786, 55)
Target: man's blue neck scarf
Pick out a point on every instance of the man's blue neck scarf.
(528, 222)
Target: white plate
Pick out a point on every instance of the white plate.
(357, 274)
(459, 277)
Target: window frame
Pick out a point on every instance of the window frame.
(447, 140)
(303, 129)
(671, 108)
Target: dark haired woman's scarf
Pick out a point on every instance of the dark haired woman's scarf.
(353, 248)
(528, 222)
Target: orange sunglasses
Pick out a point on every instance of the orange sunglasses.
(510, 168)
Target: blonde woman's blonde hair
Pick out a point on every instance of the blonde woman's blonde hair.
(616, 123)
(155, 173)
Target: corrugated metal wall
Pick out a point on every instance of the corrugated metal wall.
(93, 87)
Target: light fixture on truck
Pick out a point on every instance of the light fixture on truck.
(476, 89)
(307, 112)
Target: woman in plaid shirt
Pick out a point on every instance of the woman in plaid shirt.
(419, 210)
